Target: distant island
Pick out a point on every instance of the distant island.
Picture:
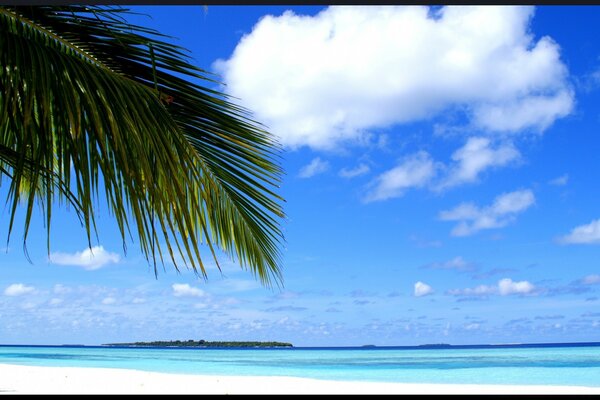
(420, 346)
(199, 343)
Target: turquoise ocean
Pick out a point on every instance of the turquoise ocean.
(538, 365)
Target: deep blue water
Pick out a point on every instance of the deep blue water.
(548, 364)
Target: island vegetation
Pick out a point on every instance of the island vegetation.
(200, 343)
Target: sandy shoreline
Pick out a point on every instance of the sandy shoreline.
(28, 379)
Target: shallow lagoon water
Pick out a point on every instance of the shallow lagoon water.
(578, 365)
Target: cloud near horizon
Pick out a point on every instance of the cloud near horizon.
(422, 289)
(108, 301)
(505, 287)
(88, 259)
(508, 286)
(185, 290)
(18, 289)
(319, 81)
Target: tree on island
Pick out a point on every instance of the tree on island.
(91, 103)
(201, 343)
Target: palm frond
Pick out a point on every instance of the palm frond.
(89, 101)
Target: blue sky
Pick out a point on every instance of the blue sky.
(441, 186)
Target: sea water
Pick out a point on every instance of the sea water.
(519, 366)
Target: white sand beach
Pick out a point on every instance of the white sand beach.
(56, 380)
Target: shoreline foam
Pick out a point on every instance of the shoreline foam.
(73, 380)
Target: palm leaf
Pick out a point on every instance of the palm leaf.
(90, 101)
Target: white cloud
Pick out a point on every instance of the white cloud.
(138, 300)
(471, 327)
(560, 181)
(55, 301)
(513, 202)
(473, 219)
(61, 289)
(476, 156)
(320, 80)
(422, 289)
(534, 111)
(354, 172)
(109, 300)
(583, 234)
(415, 170)
(591, 280)
(419, 169)
(184, 289)
(18, 289)
(507, 286)
(504, 287)
(315, 167)
(89, 259)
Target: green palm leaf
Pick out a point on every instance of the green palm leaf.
(89, 101)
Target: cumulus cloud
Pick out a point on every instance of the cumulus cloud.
(504, 287)
(18, 289)
(89, 259)
(109, 300)
(414, 171)
(533, 111)
(419, 170)
(501, 212)
(476, 156)
(354, 172)
(507, 286)
(560, 181)
(185, 290)
(583, 234)
(315, 167)
(422, 289)
(319, 80)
